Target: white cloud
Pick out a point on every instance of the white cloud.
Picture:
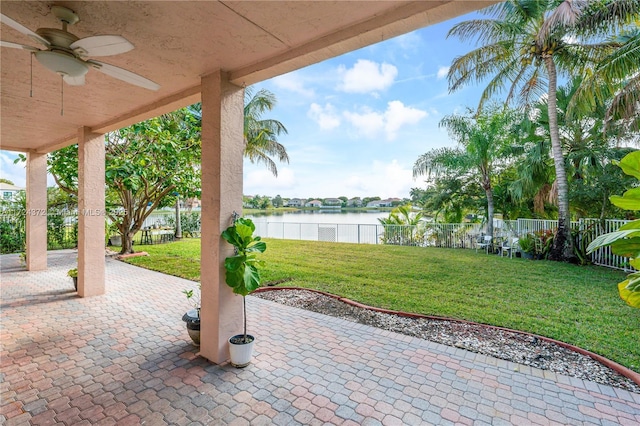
(258, 180)
(382, 179)
(326, 117)
(442, 72)
(367, 76)
(293, 83)
(375, 178)
(370, 123)
(397, 115)
(409, 41)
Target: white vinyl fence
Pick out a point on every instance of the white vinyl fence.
(445, 235)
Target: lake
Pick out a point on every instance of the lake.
(320, 216)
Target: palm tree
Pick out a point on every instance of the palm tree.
(485, 139)
(587, 145)
(401, 227)
(523, 47)
(260, 135)
(616, 77)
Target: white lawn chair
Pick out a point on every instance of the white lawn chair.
(484, 243)
(509, 246)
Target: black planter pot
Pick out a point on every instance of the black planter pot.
(192, 318)
(75, 282)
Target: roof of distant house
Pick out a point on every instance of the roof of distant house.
(9, 187)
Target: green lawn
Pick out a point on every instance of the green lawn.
(578, 305)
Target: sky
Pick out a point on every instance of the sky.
(356, 123)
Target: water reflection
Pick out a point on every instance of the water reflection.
(321, 216)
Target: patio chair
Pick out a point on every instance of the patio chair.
(484, 243)
(509, 246)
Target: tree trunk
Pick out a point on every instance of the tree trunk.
(127, 235)
(127, 243)
(490, 208)
(562, 248)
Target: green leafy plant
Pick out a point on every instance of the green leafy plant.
(242, 273)
(543, 242)
(73, 273)
(193, 297)
(527, 243)
(625, 241)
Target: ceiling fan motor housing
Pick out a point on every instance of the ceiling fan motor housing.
(56, 37)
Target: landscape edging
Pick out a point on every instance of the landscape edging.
(628, 373)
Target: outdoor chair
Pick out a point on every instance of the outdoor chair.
(484, 243)
(509, 246)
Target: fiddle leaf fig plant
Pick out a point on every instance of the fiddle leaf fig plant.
(242, 269)
(625, 241)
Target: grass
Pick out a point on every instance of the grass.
(574, 304)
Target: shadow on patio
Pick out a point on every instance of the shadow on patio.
(125, 358)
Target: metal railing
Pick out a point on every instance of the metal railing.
(62, 232)
(446, 235)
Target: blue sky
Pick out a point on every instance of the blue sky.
(358, 122)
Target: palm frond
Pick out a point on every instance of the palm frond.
(604, 17)
(564, 16)
(476, 65)
(437, 162)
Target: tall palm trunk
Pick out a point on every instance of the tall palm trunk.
(490, 209)
(486, 185)
(562, 244)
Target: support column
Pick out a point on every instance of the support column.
(36, 249)
(222, 155)
(91, 213)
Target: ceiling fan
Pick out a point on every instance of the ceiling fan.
(68, 56)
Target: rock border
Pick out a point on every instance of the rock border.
(624, 371)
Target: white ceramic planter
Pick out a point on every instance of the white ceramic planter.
(240, 354)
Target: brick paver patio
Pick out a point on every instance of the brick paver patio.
(125, 358)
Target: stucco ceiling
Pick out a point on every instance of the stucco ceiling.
(177, 42)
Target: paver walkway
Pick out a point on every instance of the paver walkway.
(125, 358)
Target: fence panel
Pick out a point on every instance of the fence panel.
(62, 230)
(452, 235)
(590, 229)
(12, 233)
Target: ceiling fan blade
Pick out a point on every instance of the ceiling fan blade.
(24, 30)
(102, 45)
(124, 75)
(18, 46)
(74, 81)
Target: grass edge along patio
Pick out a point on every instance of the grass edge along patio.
(575, 304)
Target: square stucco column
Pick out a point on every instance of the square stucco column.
(222, 154)
(36, 211)
(91, 213)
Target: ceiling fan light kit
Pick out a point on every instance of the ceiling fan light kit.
(62, 63)
(68, 56)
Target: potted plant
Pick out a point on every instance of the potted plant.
(527, 245)
(73, 273)
(192, 316)
(543, 240)
(243, 276)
